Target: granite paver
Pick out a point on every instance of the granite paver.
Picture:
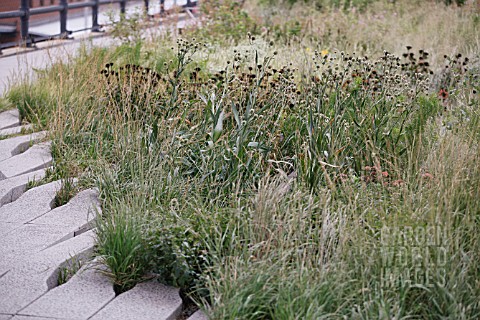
(14, 130)
(9, 119)
(73, 218)
(18, 288)
(42, 233)
(30, 205)
(17, 247)
(147, 301)
(198, 315)
(6, 227)
(30, 318)
(31, 279)
(81, 297)
(16, 145)
(11, 189)
(79, 211)
(31, 254)
(35, 158)
(77, 249)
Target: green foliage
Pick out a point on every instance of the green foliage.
(261, 187)
(457, 2)
(67, 191)
(68, 270)
(325, 4)
(128, 30)
(121, 248)
(346, 4)
(5, 104)
(226, 20)
(30, 101)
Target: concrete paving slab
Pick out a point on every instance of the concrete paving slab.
(29, 318)
(24, 284)
(87, 292)
(51, 260)
(35, 158)
(79, 212)
(5, 316)
(52, 257)
(7, 227)
(79, 248)
(198, 315)
(4, 269)
(14, 130)
(13, 188)
(32, 204)
(19, 288)
(29, 239)
(147, 301)
(16, 145)
(10, 118)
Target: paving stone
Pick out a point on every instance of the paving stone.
(75, 217)
(4, 271)
(32, 204)
(10, 118)
(12, 189)
(148, 300)
(81, 297)
(29, 281)
(15, 130)
(20, 288)
(35, 158)
(79, 248)
(16, 145)
(199, 315)
(7, 227)
(29, 239)
(29, 318)
(43, 248)
(77, 214)
(5, 316)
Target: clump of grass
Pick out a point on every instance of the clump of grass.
(30, 101)
(6, 104)
(68, 270)
(121, 248)
(67, 191)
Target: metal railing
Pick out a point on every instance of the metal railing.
(24, 13)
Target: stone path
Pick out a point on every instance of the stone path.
(18, 64)
(38, 241)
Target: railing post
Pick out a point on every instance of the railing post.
(162, 6)
(95, 25)
(122, 6)
(146, 7)
(25, 8)
(63, 19)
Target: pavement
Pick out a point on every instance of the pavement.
(39, 241)
(20, 64)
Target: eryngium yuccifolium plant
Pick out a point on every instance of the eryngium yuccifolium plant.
(360, 112)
